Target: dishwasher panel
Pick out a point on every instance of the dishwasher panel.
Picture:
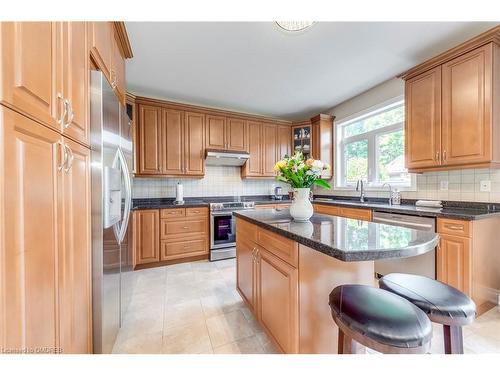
(424, 264)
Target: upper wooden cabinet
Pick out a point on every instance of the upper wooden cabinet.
(226, 133)
(148, 144)
(117, 73)
(322, 141)
(284, 146)
(269, 149)
(216, 132)
(450, 105)
(423, 120)
(100, 34)
(194, 140)
(253, 166)
(236, 134)
(170, 142)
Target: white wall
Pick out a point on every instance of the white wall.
(462, 184)
(218, 181)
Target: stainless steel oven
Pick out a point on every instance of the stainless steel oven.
(223, 228)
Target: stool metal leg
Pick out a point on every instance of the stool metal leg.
(346, 345)
(453, 340)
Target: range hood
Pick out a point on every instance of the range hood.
(222, 157)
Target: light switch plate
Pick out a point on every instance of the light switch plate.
(443, 185)
(485, 186)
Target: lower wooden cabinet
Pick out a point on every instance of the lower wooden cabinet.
(268, 283)
(170, 234)
(278, 299)
(146, 236)
(45, 239)
(347, 212)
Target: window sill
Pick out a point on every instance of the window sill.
(376, 188)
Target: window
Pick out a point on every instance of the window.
(370, 147)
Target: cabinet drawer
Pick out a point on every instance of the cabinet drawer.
(355, 213)
(196, 211)
(264, 206)
(326, 209)
(174, 250)
(454, 227)
(245, 230)
(283, 248)
(169, 213)
(171, 228)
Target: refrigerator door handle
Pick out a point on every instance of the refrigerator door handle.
(120, 229)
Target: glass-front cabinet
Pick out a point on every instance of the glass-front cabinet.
(301, 138)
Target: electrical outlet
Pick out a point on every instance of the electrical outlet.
(485, 185)
(443, 185)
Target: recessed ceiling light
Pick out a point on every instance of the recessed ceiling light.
(294, 25)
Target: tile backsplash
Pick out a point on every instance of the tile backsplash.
(218, 181)
(463, 185)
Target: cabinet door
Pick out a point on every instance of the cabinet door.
(269, 149)
(146, 236)
(100, 45)
(253, 166)
(467, 86)
(149, 146)
(423, 120)
(75, 79)
(194, 134)
(284, 145)
(236, 134)
(245, 269)
(30, 156)
(171, 137)
(75, 293)
(454, 262)
(278, 300)
(216, 132)
(117, 69)
(28, 81)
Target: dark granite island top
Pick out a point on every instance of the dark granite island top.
(348, 240)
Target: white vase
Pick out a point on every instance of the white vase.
(301, 208)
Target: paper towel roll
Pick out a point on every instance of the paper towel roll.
(179, 194)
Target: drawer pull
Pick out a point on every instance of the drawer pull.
(185, 227)
(454, 227)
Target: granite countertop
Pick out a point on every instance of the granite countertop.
(156, 203)
(451, 209)
(345, 239)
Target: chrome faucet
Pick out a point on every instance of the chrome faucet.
(360, 188)
(390, 192)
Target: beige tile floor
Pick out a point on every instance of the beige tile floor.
(194, 308)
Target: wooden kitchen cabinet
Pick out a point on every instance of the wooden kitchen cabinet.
(149, 140)
(253, 166)
(46, 254)
(278, 300)
(467, 107)
(29, 61)
(450, 105)
(347, 212)
(75, 79)
(236, 134)
(322, 141)
(117, 69)
(216, 132)
(101, 45)
(269, 149)
(146, 236)
(194, 141)
(170, 141)
(423, 120)
(246, 269)
(284, 147)
(75, 266)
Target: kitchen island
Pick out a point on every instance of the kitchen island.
(286, 270)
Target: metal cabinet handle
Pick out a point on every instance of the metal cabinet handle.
(69, 107)
(63, 110)
(444, 155)
(454, 227)
(64, 155)
(436, 158)
(69, 162)
(113, 79)
(185, 227)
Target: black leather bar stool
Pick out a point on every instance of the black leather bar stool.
(378, 320)
(442, 303)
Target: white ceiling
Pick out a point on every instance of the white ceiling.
(256, 67)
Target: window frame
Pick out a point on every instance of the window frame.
(371, 136)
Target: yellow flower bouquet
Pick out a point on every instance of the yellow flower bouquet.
(300, 173)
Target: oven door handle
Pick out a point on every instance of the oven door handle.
(227, 213)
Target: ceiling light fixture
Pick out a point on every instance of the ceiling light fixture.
(294, 25)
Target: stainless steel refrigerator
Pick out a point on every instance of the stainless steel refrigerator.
(112, 158)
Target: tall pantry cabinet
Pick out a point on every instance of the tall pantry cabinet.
(45, 273)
